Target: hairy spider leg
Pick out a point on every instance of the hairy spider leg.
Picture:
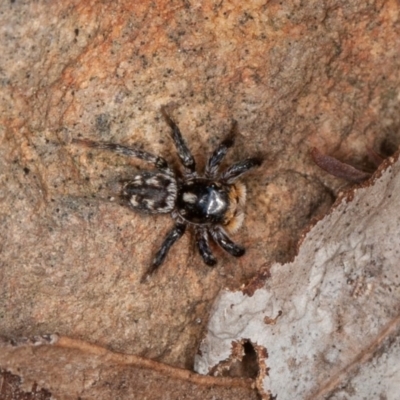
(203, 246)
(159, 162)
(184, 153)
(220, 152)
(226, 243)
(174, 234)
(239, 168)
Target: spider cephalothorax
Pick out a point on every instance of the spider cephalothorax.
(212, 204)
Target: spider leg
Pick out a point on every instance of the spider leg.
(184, 153)
(239, 168)
(175, 234)
(204, 248)
(226, 243)
(220, 152)
(157, 161)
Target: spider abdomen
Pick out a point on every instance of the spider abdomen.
(151, 192)
(202, 201)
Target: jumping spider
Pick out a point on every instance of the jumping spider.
(212, 204)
